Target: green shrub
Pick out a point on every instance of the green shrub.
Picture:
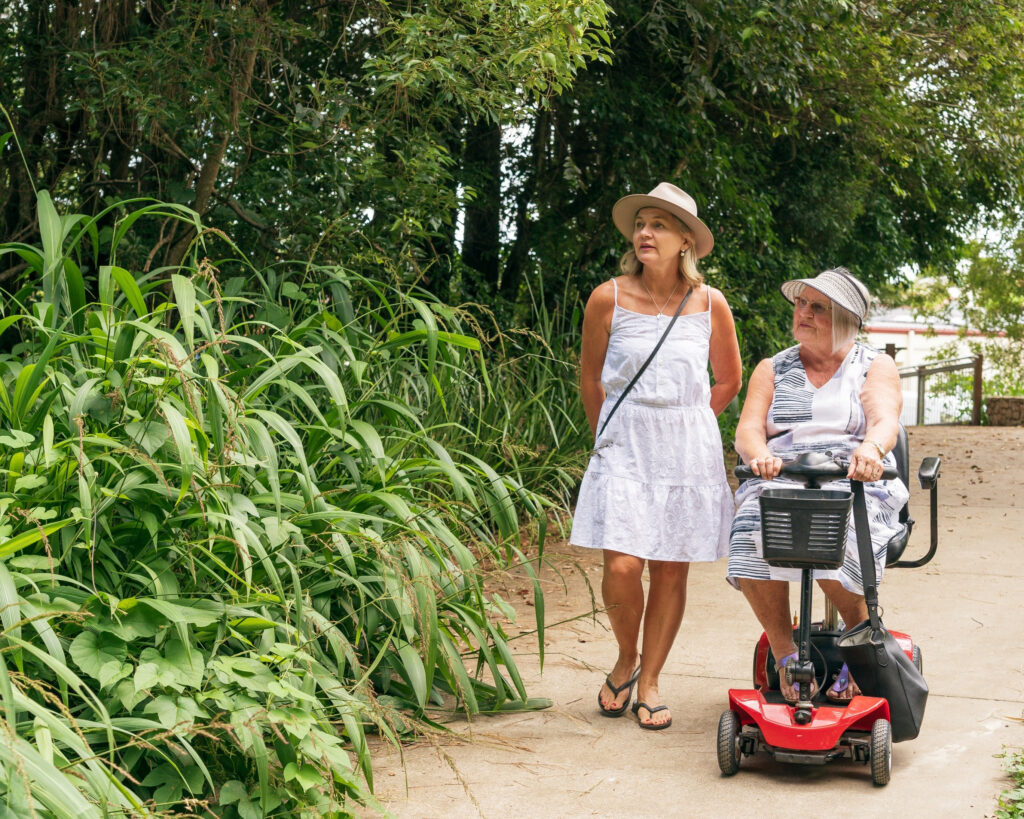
(1011, 802)
(244, 515)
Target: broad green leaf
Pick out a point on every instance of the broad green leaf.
(94, 652)
(27, 483)
(16, 439)
(306, 776)
(149, 436)
(185, 297)
(174, 711)
(182, 443)
(180, 612)
(30, 536)
(413, 671)
(232, 791)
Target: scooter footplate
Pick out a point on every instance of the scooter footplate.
(780, 730)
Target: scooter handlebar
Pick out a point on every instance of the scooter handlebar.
(812, 465)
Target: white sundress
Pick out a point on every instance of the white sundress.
(803, 418)
(655, 486)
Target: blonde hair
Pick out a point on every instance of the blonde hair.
(845, 324)
(688, 272)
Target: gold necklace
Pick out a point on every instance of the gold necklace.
(661, 310)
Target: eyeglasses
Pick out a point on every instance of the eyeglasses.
(816, 307)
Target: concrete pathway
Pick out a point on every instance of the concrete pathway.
(963, 609)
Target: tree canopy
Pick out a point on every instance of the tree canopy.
(478, 147)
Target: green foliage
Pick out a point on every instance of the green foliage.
(993, 285)
(1011, 802)
(810, 133)
(292, 126)
(990, 287)
(245, 518)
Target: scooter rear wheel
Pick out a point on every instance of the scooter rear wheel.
(881, 752)
(729, 742)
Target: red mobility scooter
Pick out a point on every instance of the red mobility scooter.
(806, 529)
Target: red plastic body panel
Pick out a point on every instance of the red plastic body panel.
(905, 642)
(822, 733)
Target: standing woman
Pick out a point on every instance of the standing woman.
(655, 489)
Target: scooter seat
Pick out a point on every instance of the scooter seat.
(898, 542)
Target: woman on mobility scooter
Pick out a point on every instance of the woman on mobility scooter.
(828, 393)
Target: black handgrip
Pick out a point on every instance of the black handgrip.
(929, 472)
(814, 465)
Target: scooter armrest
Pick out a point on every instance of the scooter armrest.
(928, 474)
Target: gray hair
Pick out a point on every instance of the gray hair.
(845, 324)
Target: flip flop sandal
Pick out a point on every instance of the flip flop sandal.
(618, 712)
(844, 682)
(780, 666)
(651, 711)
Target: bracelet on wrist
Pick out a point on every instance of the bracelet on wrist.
(876, 445)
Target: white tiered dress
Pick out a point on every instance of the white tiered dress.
(655, 486)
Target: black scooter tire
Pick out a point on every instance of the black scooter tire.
(729, 743)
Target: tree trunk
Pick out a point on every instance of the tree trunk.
(519, 252)
(481, 171)
(242, 56)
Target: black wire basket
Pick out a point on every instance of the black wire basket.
(805, 528)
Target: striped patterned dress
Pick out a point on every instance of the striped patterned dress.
(803, 418)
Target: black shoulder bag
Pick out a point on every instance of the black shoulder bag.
(650, 358)
(876, 661)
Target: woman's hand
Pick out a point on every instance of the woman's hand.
(766, 467)
(865, 465)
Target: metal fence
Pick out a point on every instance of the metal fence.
(934, 394)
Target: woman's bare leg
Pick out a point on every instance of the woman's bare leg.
(666, 602)
(769, 600)
(623, 593)
(851, 606)
(853, 609)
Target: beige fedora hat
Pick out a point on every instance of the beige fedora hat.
(668, 197)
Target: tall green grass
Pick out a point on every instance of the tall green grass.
(245, 515)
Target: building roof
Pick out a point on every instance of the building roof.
(904, 320)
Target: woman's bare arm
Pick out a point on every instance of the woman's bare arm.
(597, 320)
(726, 366)
(882, 400)
(752, 429)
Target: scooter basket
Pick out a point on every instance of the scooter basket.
(805, 528)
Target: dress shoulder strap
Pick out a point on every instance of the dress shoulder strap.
(615, 289)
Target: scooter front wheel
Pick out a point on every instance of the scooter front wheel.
(729, 743)
(881, 752)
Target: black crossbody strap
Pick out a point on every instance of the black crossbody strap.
(867, 557)
(650, 358)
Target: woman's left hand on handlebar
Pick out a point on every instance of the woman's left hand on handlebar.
(865, 465)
